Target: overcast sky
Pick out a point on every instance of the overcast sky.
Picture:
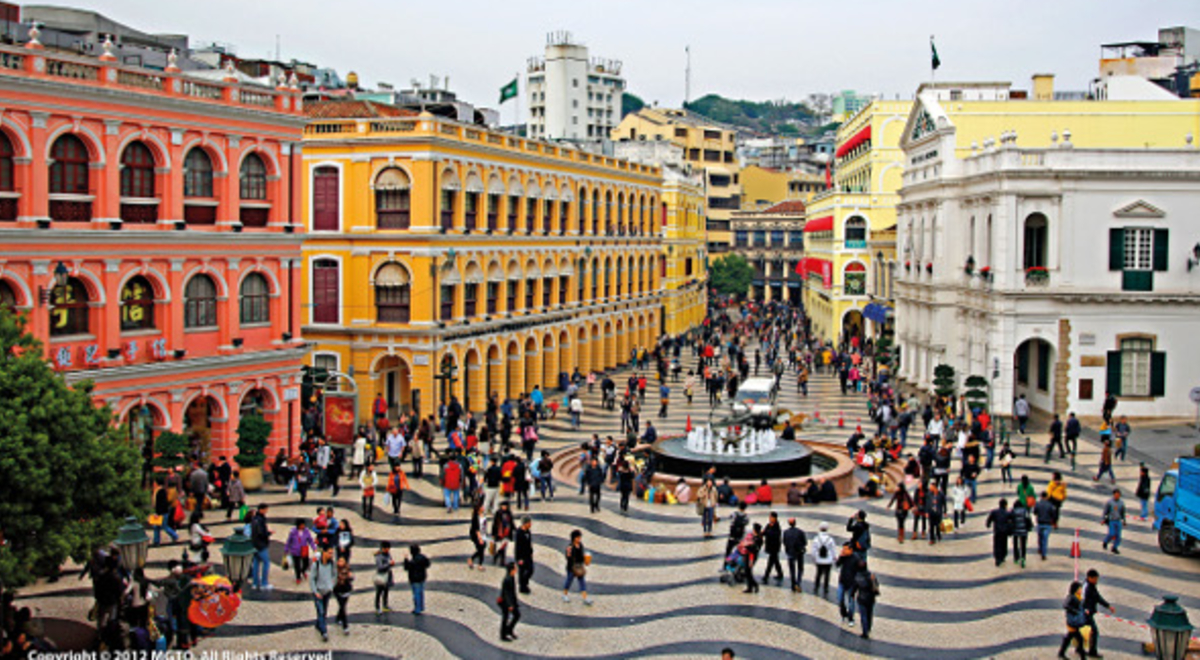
(754, 49)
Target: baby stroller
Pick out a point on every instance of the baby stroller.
(736, 565)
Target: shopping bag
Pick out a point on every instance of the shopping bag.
(242, 512)
(947, 525)
(968, 505)
(287, 562)
(292, 486)
(154, 520)
(387, 498)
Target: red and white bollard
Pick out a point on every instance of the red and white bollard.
(1076, 552)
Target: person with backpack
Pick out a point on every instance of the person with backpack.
(824, 551)
(1076, 620)
(737, 528)
(866, 592)
(383, 579)
(417, 567)
(1019, 524)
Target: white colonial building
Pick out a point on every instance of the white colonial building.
(1059, 273)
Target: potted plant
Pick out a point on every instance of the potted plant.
(929, 268)
(170, 452)
(970, 266)
(985, 273)
(253, 433)
(1037, 275)
(907, 265)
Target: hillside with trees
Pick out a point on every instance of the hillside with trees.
(770, 117)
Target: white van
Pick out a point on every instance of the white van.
(757, 396)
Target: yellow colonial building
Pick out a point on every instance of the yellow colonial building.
(763, 187)
(444, 259)
(842, 221)
(685, 250)
(705, 146)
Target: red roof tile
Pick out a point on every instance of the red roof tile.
(790, 206)
(353, 109)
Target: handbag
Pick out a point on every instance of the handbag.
(287, 562)
(947, 525)
(578, 570)
(154, 520)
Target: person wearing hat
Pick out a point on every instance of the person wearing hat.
(824, 552)
(795, 543)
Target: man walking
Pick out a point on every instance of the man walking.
(260, 537)
(824, 554)
(1091, 600)
(594, 478)
(417, 567)
(1046, 515)
(1073, 430)
(772, 543)
(795, 544)
(1114, 517)
(524, 555)
(1056, 434)
(510, 608)
(1021, 410)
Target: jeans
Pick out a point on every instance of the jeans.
(1145, 507)
(1122, 447)
(546, 486)
(867, 610)
(707, 522)
(971, 483)
(450, 495)
(796, 570)
(175, 535)
(1020, 546)
(418, 591)
(260, 567)
(991, 456)
(1043, 532)
(1108, 469)
(322, 603)
(1021, 421)
(571, 578)
(846, 601)
(1114, 533)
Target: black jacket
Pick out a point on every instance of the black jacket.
(417, 567)
(524, 545)
(1092, 597)
(999, 520)
(259, 535)
(795, 542)
(772, 538)
(508, 593)
(594, 477)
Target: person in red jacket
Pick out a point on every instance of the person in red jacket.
(451, 484)
(763, 494)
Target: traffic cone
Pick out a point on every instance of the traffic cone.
(688, 428)
(1076, 553)
(841, 422)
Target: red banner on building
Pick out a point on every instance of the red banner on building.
(340, 419)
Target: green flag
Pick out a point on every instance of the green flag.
(935, 62)
(508, 91)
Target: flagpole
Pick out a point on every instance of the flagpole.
(932, 68)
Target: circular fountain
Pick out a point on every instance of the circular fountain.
(736, 452)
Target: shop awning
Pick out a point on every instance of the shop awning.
(876, 313)
(821, 267)
(823, 223)
(854, 141)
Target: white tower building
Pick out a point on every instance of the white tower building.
(571, 96)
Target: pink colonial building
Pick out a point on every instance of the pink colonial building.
(150, 233)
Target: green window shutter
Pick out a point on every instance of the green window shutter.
(1116, 248)
(1137, 280)
(1158, 373)
(1113, 381)
(1160, 249)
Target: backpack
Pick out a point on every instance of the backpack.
(822, 550)
(737, 528)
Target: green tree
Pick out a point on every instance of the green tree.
(883, 350)
(172, 451)
(68, 476)
(976, 394)
(253, 434)
(731, 275)
(630, 103)
(943, 380)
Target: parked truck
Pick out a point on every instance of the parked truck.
(1177, 508)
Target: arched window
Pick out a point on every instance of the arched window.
(253, 178)
(69, 176)
(393, 293)
(69, 313)
(253, 183)
(198, 184)
(255, 301)
(137, 304)
(856, 233)
(137, 183)
(200, 303)
(1036, 228)
(392, 199)
(8, 298)
(8, 205)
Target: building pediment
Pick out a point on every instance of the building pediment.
(1140, 209)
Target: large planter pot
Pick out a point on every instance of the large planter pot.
(252, 478)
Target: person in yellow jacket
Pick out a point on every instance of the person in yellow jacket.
(1057, 490)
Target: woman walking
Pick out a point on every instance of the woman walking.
(706, 502)
(368, 482)
(919, 511)
(1143, 491)
(235, 494)
(383, 578)
(1076, 620)
(477, 537)
(867, 590)
(959, 495)
(577, 563)
(1006, 459)
(199, 537)
(342, 590)
(299, 544)
(903, 503)
(345, 540)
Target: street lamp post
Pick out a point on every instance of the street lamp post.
(132, 542)
(1171, 629)
(236, 553)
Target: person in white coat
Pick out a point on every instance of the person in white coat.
(359, 457)
(959, 493)
(824, 553)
